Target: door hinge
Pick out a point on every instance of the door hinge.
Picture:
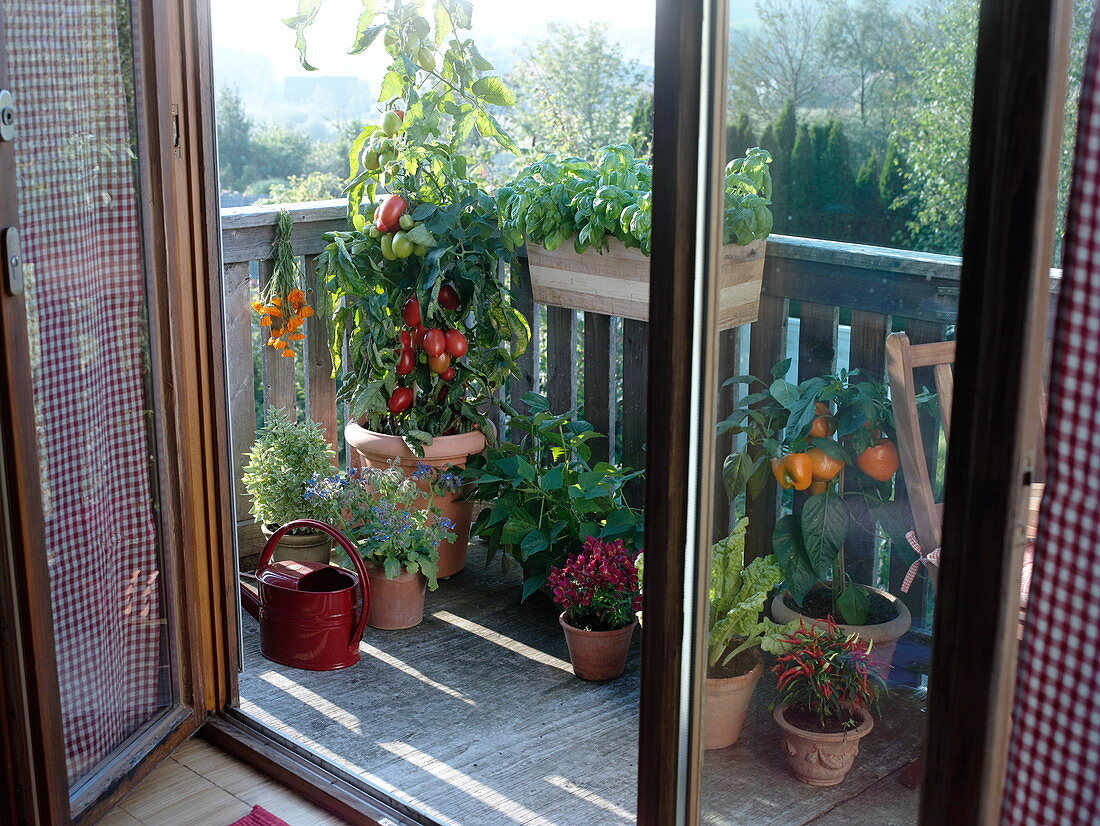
(176, 129)
(7, 116)
(12, 260)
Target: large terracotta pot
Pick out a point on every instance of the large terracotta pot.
(883, 637)
(377, 449)
(726, 704)
(398, 602)
(597, 655)
(821, 759)
(306, 547)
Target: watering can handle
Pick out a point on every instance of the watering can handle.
(349, 549)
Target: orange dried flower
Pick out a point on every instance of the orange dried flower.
(296, 298)
(278, 302)
(288, 353)
(258, 306)
(265, 321)
(275, 311)
(305, 312)
(279, 344)
(296, 336)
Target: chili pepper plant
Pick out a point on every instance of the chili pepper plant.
(598, 588)
(423, 330)
(827, 673)
(830, 437)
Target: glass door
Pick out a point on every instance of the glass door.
(83, 269)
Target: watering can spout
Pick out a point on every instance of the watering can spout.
(250, 602)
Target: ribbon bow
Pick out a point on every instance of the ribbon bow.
(922, 559)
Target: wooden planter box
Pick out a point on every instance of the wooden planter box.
(616, 282)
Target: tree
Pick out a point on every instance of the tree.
(316, 186)
(234, 129)
(576, 91)
(641, 126)
(780, 61)
(278, 152)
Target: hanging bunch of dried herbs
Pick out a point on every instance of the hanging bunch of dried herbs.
(282, 305)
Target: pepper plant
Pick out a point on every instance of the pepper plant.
(809, 437)
(547, 496)
(422, 327)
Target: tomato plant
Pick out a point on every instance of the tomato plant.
(424, 238)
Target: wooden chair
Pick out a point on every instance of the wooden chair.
(902, 358)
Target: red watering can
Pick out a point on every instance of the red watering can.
(306, 610)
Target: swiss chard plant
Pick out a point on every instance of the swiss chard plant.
(809, 437)
(545, 496)
(737, 596)
(423, 330)
(591, 202)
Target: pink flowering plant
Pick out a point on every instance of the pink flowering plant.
(827, 673)
(598, 588)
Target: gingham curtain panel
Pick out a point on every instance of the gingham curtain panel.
(78, 204)
(1054, 758)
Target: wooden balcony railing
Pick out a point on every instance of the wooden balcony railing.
(825, 304)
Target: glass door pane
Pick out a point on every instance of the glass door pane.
(71, 71)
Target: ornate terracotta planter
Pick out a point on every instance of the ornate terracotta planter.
(306, 547)
(726, 703)
(377, 449)
(398, 602)
(821, 759)
(597, 656)
(883, 637)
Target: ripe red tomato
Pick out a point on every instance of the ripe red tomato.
(457, 345)
(448, 374)
(401, 400)
(439, 364)
(390, 212)
(406, 340)
(448, 297)
(434, 342)
(406, 363)
(411, 313)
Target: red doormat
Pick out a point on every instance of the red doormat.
(259, 816)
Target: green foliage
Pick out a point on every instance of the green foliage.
(441, 82)
(281, 464)
(641, 127)
(316, 186)
(576, 91)
(775, 419)
(234, 129)
(737, 596)
(547, 497)
(389, 514)
(553, 200)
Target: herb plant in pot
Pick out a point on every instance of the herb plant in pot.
(599, 594)
(827, 685)
(398, 532)
(820, 437)
(424, 332)
(737, 633)
(545, 495)
(283, 460)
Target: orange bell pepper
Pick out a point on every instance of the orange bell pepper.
(795, 470)
(825, 467)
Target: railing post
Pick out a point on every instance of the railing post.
(598, 382)
(320, 384)
(635, 379)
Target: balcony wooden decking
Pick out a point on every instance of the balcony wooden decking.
(475, 718)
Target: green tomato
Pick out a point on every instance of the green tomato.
(420, 249)
(374, 232)
(370, 160)
(406, 221)
(401, 247)
(387, 247)
(391, 123)
(425, 59)
(420, 27)
(386, 158)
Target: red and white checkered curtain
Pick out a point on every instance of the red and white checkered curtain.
(71, 72)
(1054, 759)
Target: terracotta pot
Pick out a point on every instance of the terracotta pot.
(821, 759)
(597, 655)
(306, 547)
(377, 449)
(398, 602)
(726, 704)
(884, 636)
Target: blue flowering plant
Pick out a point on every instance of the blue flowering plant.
(389, 514)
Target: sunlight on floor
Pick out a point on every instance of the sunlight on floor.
(591, 797)
(503, 641)
(313, 700)
(466, 784)
(405, 668)
(301, 739)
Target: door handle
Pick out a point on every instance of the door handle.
(7, 115)
(12, 260)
